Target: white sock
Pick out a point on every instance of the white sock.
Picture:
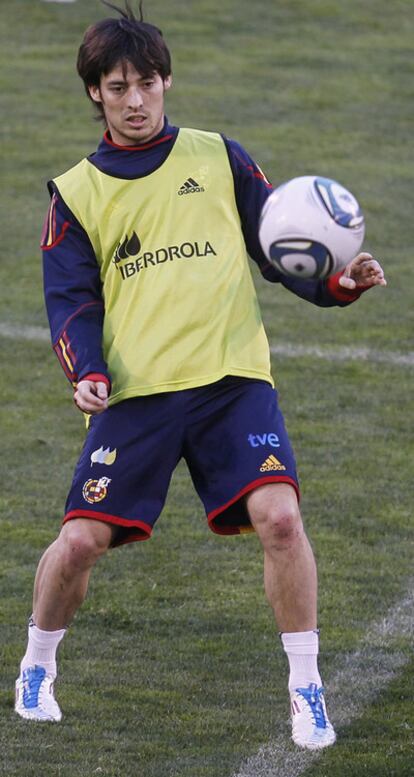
(302, 649)
(41, 649)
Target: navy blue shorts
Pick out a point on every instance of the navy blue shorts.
(230, 433)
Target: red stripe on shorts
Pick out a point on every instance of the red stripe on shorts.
(138, 530)
(211, 517)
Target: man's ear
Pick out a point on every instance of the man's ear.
(95, 94)
(167, 82)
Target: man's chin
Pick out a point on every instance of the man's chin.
(134, 137)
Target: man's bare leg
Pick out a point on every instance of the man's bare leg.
(289, 566)
(63, 573)
(60, 588)
(290, 580)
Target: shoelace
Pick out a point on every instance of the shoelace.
(313, 696)
(32, 680)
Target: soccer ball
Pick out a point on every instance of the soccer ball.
(311, 227)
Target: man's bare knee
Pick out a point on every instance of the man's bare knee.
(279, 528)
(275, 515)
(82, 542)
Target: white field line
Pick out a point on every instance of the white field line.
(17, 332)
(344, 353)
(290, 350)
(356, 683)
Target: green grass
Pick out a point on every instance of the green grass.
(378, 743)
(173, 667)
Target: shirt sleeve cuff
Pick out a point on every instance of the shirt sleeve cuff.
(340, 293)
(97, 377)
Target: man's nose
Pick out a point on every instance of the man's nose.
(134, 98)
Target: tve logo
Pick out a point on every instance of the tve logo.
(261, 439)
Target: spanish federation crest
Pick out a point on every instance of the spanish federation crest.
(95, 490)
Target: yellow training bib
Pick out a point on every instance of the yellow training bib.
(180, 305)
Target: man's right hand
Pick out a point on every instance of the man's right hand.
(91, 396)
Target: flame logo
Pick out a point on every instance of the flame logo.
(103, 456)
(129, 247)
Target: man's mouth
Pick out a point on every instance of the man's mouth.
(136, 120)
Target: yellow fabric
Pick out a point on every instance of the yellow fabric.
(180, 306)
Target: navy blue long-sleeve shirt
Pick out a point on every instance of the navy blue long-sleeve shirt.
(72, 284)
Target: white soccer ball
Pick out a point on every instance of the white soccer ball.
(311, 227)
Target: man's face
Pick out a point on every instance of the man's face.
(133, 105)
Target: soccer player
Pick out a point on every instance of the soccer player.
(155, 321)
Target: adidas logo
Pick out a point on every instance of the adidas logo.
(190, 186)
(272, 464)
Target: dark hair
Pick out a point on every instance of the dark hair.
(128, 39)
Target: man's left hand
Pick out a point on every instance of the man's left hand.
(364, 271)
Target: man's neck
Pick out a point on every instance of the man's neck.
(136, 146)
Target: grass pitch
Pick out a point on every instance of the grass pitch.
(172, 667)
